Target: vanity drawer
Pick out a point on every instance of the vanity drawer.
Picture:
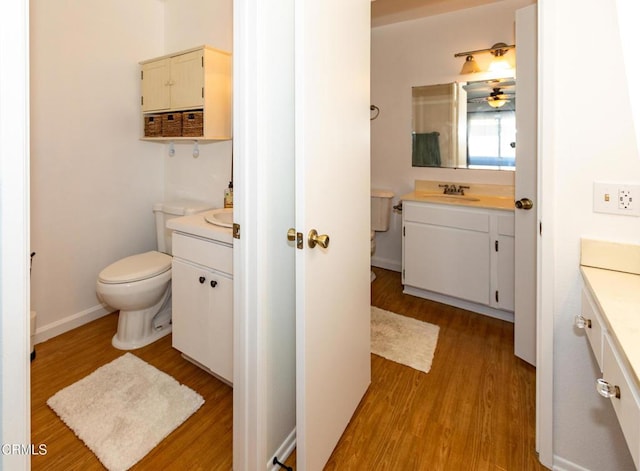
(594, 325)
(627, 406)
(203, 252)
(447, 215)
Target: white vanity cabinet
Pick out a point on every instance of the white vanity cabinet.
(202, 302)
(197, 80)
(617, 381)
(456, 253)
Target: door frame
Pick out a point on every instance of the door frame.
(14, 230)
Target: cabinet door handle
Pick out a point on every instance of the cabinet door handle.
(582, 323)
(202, 279)
(607, 390)
(214, 283)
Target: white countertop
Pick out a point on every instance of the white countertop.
(195, 224)
(617, 294)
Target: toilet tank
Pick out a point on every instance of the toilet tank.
(380, 209)
(173, 209)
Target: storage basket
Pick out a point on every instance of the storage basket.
(192, 123)
(153, 125)
(172, 124)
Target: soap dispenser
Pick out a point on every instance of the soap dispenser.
(228, 196)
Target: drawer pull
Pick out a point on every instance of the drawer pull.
(202, 279)
(606, 390)
(582, 323)
(214, 283)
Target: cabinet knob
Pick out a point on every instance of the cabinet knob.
(202, 279)
(582, 323)
(607, 390)
(214, 283)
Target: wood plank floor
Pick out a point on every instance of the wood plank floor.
(475, 409)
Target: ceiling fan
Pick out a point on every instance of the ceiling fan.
(496, 99)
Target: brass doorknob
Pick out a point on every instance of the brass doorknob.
(315, 238)
(524, 203)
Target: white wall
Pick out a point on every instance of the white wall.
(93, 182)
(190, 23)
(585, 139)
(420, 52)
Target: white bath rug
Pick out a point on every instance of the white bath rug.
(403, 339)
(124, 409)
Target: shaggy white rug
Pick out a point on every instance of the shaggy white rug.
(124, 409)
(403, 339)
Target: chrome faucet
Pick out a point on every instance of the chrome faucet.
(453, 189)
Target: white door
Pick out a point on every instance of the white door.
(526, 225)
(332, 73)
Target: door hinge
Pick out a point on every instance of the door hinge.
(236, 230)
(202, 62)
(202, 92)
(141, 100)
(540, 227)
(497, 297)
(496, 245)
(404, 231)
(142, 75)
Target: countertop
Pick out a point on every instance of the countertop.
(195, 224)
(611, 272)
(476, 195)
(504, 203)
(617, 295)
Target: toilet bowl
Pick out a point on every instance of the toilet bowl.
(139, 286)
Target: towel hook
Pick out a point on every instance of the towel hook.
(377, 111)
(172, 149)
(196, 150)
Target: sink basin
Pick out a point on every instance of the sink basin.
(220, 217)
(441, 197)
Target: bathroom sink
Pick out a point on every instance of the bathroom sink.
(441, 197)
(220, 217)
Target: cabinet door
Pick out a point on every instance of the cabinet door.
(187, 80)
(504, 291)
(190, 308)
(447, 260)
(155, 85)
(220, 338)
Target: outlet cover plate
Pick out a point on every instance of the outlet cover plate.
(616, 198)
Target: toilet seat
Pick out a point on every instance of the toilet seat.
(136, 268)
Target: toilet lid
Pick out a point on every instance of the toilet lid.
(136, 267)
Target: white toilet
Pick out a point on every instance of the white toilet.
(140, 285)
(380, 216)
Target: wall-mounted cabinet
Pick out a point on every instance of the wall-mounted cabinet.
(187, 95)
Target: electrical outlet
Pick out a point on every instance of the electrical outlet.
(625, 199)
(616, 198)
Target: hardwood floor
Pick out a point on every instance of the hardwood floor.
(475, 409)
(203, 442)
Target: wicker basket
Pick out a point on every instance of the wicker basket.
(192, 124)
(153, 125)
(172, 124)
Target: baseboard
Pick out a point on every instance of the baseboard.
(460, 303)
(386, 263)
(560, 464)
(283, 452)
(68, 323)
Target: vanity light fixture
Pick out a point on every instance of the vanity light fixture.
(499, 63)
(470, 66)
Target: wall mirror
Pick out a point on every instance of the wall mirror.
(465, 125)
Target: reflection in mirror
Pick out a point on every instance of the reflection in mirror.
(464, 125)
